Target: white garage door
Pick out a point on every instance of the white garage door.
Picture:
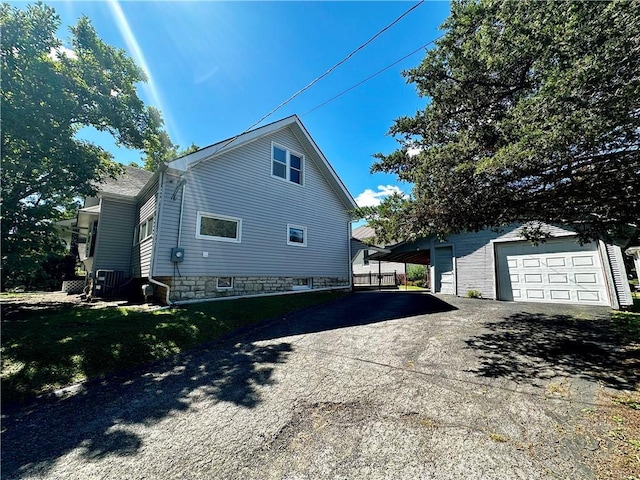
(557, 271)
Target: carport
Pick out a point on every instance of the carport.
(416, 252)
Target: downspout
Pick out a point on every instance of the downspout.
(184, 187)
(159, 203)
(349, 227)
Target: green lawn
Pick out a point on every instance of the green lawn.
(47, 349)
(628, 322)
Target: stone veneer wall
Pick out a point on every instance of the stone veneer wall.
(200, 288)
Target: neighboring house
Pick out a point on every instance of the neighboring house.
(263, 212)
(503, 265)
(363, 246)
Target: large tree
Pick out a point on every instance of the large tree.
(532, 113)
(50, 91)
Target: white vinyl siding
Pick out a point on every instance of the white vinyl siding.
(113, 240)
(238, 185)
(145, 211)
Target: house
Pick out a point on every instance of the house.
(367, 272)
(263, 212)
(502, 265)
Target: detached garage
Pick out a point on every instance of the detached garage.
(559, 270)
(502, 265)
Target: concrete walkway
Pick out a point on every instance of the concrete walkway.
(378, 385)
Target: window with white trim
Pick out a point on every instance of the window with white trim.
(224, 283)
(296, 235)
(301, 284)
(210, 226)
(143, 231)
(286, 164)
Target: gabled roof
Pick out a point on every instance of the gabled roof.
(189, 161)
(128, 184)
(363, 232)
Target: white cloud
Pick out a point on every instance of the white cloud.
(371, 198)
(56, 53)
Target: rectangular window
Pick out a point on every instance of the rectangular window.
(286, 164)
(366, 257)
(144, 230)
(296, 235)
(301, 284)
(225, 283)
(218, 227)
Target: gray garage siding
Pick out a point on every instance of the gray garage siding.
(115, 236)
(141, 256)
(239, 184)
(622, 289)
(475, 266)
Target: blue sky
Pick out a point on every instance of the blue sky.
(215, 68)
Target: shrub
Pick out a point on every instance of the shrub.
(474, 294)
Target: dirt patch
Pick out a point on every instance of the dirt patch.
(15, 305)
(615, 425)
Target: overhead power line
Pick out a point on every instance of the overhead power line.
(372, 76)
(317, 79)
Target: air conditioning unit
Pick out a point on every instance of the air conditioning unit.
(107, 283)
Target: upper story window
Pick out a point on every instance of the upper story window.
(286, 164)
(218, 227)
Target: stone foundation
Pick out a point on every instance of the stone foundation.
(202, 288)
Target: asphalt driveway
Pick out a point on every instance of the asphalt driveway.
(373, 386)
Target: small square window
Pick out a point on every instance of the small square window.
(301, 284)
(296, 235)
(225, 283)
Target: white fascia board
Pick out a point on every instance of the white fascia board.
(334, 176)
(191, 160)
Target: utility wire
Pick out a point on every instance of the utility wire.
(372, 76)
(313, 82)
(317, 79)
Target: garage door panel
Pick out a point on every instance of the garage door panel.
(559, 271)
(560, 295)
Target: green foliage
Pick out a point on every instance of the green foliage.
(416, 272)
(43, 350)
(161, 150)
(532, 115)
(48, 93)
(473, 294)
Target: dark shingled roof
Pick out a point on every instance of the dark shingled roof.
(128, 184)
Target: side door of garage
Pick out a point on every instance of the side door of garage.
(443, 270)
(557, 271)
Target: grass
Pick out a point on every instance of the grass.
(43, 350)
(627, 323)
(413, 288)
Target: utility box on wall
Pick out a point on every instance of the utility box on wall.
(177, 254)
